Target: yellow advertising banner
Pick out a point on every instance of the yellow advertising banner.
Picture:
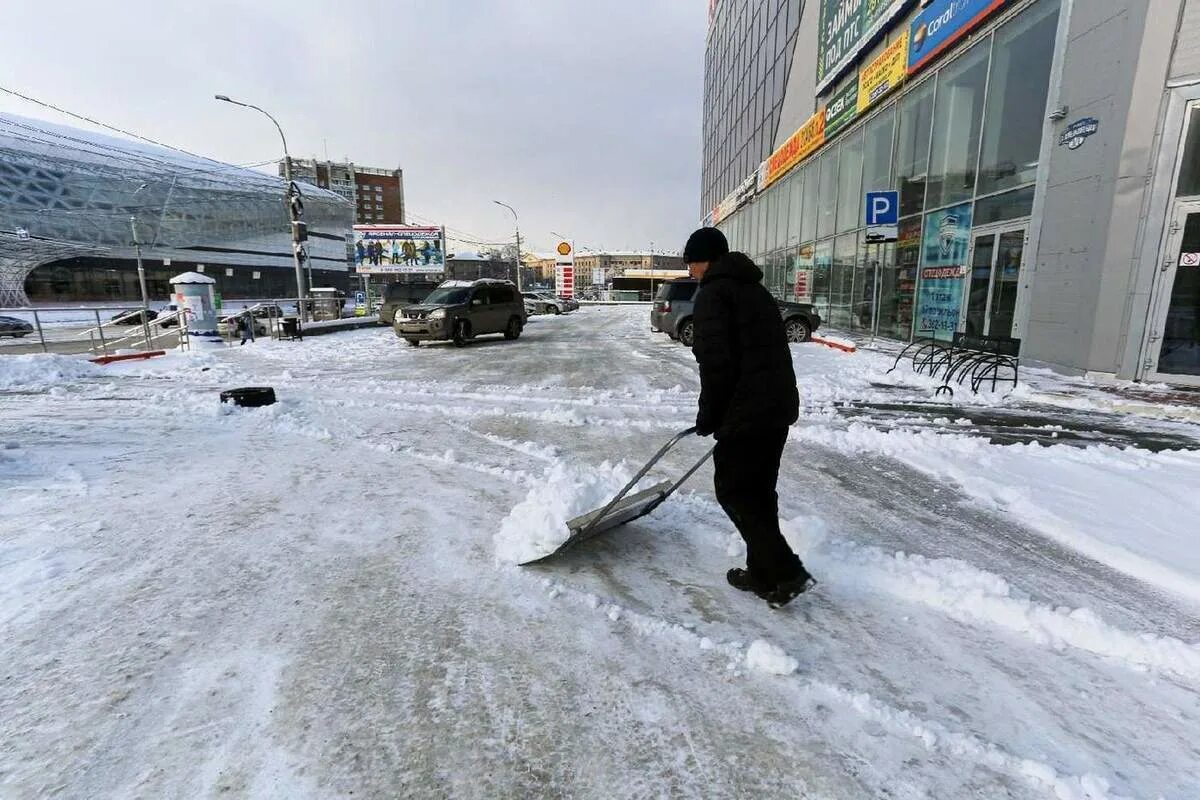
(798, 147)
(883, 74)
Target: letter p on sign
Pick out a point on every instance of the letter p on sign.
(883, 208)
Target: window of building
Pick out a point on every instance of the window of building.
(877, 152)
(912, 147)
(957, 125)
(795, 210)
(827, 193)
(808, 210)
(1000, 207)
(841, 280)
(822, 265)
(1017, 91)
(1189, 170)
(783, 192)
(850, 182)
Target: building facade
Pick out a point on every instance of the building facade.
(1046, 154)
(377, 193)
(76, 207)
(598, 269)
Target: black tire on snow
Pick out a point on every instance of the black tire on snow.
(249, 396)
(461, 333)
(687, 333)
(513, 331)
(413, 342)
(797, 330)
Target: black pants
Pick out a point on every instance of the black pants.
(747, 470)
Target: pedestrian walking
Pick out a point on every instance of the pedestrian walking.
(246, 326)
(748, 400)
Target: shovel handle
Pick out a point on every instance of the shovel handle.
(676, 439)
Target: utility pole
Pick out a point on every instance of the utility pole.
(295, 212)
(517, 225)
(137, 249)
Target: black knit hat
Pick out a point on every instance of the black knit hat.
(706, 244)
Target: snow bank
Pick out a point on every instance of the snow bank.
(968, 594)
(1082, 498)
(538, 524)
(766, 657)
(40, 370)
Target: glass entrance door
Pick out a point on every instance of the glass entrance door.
(996, 258)
(1176, 348)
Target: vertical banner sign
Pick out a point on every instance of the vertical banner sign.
(846, 28)
(885, 73)
(398, 249)
(564, 270)
(841, 110)
(943, 266)
(804, 274)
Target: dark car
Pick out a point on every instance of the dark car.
(14, 327)
(676, 299)
(134, 316)
(461, 310)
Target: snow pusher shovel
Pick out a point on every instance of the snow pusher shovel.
(622, 509)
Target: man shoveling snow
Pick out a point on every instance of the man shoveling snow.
(748, 400)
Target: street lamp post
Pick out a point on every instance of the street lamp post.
(293, 208)
(137, 248)
(517, 225)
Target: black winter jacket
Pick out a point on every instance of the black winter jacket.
(746, 376)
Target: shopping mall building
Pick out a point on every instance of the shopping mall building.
(1046, 155)
(73, 201)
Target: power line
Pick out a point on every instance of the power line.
(104, 125)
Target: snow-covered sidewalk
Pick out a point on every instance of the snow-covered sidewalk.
(315, 599)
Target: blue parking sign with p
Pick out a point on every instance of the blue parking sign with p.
(883, 208)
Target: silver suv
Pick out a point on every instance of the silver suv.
(461, 310)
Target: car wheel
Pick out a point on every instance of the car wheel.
(413, 342)
(462, 332)
(555, 310)
(687, 333)
(513, 330)
(797, 330)
(20, 335)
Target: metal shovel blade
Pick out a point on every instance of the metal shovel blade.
(604, 519)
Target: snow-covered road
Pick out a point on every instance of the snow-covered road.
(305, 601)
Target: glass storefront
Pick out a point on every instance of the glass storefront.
(961, 145)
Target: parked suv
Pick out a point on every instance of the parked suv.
(461, 310)
(676, 300)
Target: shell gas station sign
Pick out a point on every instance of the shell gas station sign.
(564, 270)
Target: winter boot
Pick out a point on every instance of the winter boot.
(785, 592)
(742, 579)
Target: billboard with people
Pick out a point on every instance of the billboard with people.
(398, 249)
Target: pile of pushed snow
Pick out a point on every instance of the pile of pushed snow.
(538, 524)
(40, 370)
(766, 657)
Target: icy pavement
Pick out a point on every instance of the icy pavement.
(307, 600)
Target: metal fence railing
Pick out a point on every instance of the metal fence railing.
(105, 329)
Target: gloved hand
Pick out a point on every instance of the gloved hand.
(704, 427)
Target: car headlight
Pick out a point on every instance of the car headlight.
(437, 313)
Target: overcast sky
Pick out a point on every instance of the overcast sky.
(583, 115)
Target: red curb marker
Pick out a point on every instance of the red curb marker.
(128, 357)
(845, 348)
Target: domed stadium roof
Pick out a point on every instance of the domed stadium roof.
(69, 192)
